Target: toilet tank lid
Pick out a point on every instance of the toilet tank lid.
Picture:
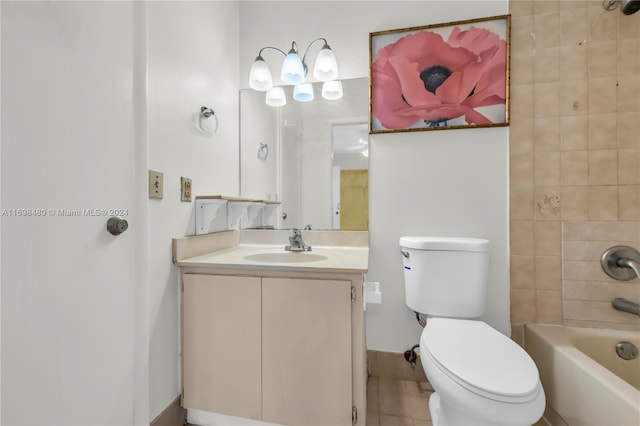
(446, 243)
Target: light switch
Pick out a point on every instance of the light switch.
(156, 186)
(185, 191)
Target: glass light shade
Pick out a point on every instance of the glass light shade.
(332, 90)
(326, 67)
(292, 69)
(260, 76)
(303, 92)
(275, 97)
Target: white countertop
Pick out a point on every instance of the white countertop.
(319, 259)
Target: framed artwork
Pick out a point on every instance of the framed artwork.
(443, 76)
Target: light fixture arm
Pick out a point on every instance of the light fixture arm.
(259, 57)
(304, 57)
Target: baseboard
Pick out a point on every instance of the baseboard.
(173, 415)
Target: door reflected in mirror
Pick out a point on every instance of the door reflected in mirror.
(311, 157)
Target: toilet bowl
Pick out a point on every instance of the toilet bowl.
(480, 376)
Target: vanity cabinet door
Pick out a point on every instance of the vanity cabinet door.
(221, 344)
(306, 351)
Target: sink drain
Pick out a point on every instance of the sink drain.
(626, 350)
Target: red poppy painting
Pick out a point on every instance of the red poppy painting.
(445, 76)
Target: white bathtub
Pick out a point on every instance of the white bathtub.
(584, 380)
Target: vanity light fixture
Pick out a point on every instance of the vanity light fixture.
(294, 72)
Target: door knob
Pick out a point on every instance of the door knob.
(117, 225)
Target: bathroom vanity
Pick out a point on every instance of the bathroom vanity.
(272, 335)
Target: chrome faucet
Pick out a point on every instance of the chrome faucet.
(296, 243)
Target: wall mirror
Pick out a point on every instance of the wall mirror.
(312, 157)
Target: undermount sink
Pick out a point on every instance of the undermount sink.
(286, 257)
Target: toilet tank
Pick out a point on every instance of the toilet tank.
(446, 277)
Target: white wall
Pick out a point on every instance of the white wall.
(451, 182)
(193, 62)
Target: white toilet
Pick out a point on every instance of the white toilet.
(480, 376)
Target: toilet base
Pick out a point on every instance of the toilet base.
(434, 405)
(443, 415)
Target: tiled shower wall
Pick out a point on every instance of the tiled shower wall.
(574, 159)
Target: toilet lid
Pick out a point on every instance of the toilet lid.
(481, 359)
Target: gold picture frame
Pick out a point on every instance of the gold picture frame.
(453, 75)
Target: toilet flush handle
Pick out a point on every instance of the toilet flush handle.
(405, 253)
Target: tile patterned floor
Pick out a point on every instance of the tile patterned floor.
(398, 402)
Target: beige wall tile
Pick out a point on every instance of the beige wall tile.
(546, 28)
(546, 134)
(579, 270)
(546, 100)
(546, 65)
(521, 105)
(521, 136)
(603, 131)
(574, 168)
(602, 25)
(549, 307)
(628, 27)
(628, 93)
(522, 67)
(598, 291)
(629, 202)
(521, 238)
(601, 231)
(522, 272)
(603, 167)
(521, 33)
(545, 6)
(599, 324)
(629, 57)
(521, 8)
(628, 166)
(597, 311)
(574, 62)
(546, 169)
(574, 133)
(628, 130)
(521, 204)
(573, 4)
(603, 203)
(603, 58)
(547, 238)
(602, 95)
(547, 204)
(574, 26)
(589, 251)
(523, 305)
(575, 250)
(574, 97)
(548, 273)
(575, 202)
(521, 170)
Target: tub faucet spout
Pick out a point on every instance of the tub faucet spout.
(624, 305)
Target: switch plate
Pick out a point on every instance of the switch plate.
(156, 187)
(185, 189)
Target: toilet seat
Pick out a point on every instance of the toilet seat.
(480, 359)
